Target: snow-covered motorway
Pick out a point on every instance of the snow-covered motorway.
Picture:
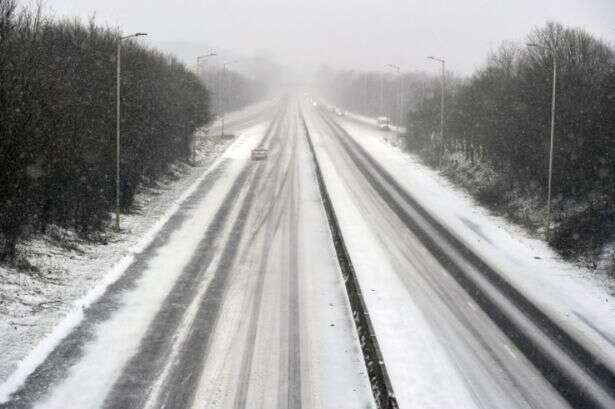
(239, 299)
(453, 333)
(238, 302)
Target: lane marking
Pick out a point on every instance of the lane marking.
(509, 350)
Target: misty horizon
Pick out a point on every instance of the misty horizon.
(307, 204)
(362, 35)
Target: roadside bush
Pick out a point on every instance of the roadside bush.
(373, 93)
(57, 121)
(585, 233)
(500, 119)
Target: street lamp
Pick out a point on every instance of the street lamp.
(441, 61)
(202, 57)
(554, 58)
(117, 126)
(224, 93)
(401, 94)
(381, 94)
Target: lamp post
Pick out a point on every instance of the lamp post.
(552, 136)
(198, 61)
(441, 61)
(117, 125)
(401, 94)
(381, 94)
(224, 93)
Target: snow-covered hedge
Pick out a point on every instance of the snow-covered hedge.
(57, 121)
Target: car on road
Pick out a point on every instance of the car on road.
(384, 123)
(339, 112)
(259, 154)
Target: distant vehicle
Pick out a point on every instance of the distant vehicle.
(259, 154)
(384, 123)
(339, 112)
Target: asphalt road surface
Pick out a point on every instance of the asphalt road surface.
(487, 349)
(239, 302)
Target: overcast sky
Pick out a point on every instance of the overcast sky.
(362, 34)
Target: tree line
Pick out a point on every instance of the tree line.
(57, 121)
(498, 120)
(231, 90)
(501, 117)
(374, 93)
(249, 80)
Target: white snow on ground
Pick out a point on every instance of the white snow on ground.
(245, 116)
(37, 310)
(420, 369)
(98, 369)
(373, 122)
(579, 299)
(367, 120)
(332, 368)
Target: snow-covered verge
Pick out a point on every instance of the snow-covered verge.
(57, 268)
(391, 138)
(580, 299)
(246, 116)
(374, 122)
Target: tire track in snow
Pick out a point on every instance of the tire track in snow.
(276, 210)
(133, 388)
(57, 364)
(574, 371)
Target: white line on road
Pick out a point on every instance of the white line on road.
(509, 350)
